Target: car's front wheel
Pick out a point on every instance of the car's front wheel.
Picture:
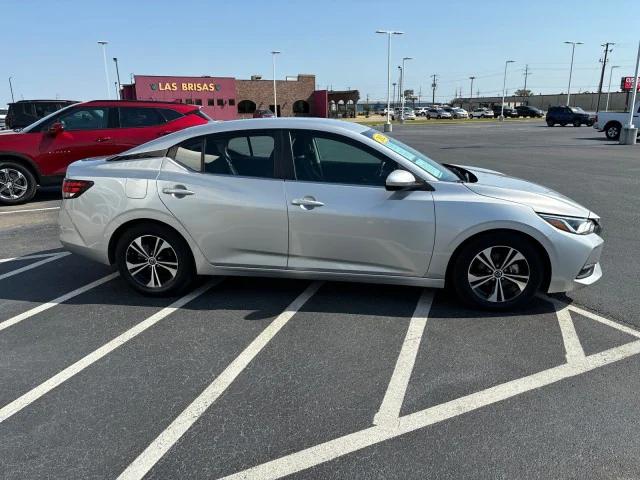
(155, 260)
(498, 271)
(17, 183)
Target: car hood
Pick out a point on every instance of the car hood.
(542, 199)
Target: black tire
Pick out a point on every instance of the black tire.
(563, 124)
(185, 272)
(612, 130)
(19, 177)
(428, 117)
(550, 123)
(576, 123)
(466, 261)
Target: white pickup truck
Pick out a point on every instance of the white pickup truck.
(611, 122)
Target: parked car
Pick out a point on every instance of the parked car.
(459, 113)
(508, 112)
(25, 112)
(270, 197)
(40, 153)
(529, 111)
(409, 114)
(564, 116)
(611, 122)
(421, 111)
(437, 112)
(262, 113)
(481, 112)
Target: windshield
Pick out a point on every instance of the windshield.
(36, 124)
(420, 160)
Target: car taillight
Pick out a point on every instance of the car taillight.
(75, 188)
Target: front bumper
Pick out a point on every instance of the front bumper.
(573, 254)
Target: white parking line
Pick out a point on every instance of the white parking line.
(161, 445)
(45, 387)
(63, 298)
(29, 257)
(392, 403)
(27, 210)
(341, 446)
(33, 265)
(605, 321)
(572, 346)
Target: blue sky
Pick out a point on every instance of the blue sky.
(50, 49)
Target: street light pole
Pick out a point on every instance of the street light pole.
(402, 89)
(11, 88)
(504, 85)
(275, 98)
(388, 33)
(629, 133)
(115, 60)
(573, 50)
(606, 108)
(106, 69)
(472, 78)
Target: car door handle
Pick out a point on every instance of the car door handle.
(103, 139)
(178, 192)
(307, 202)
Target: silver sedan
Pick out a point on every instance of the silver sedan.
(323, 199)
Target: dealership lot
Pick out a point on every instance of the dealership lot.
(256, 378)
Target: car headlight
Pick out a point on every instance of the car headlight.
(577, 225)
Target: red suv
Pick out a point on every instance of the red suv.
(40, 153)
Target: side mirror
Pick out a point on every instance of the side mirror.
(56, 128)
(401, 180)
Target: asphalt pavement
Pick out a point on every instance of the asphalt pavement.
(264, 378)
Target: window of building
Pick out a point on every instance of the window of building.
(211, 102)
(334, 159)
(198, 101)
(232, 102)
(132, 117)
(189, 154)
(221, 102)
(243, 155)
(189, 101)
(300, 106)
(246, 106)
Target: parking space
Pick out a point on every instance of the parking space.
(264, 378)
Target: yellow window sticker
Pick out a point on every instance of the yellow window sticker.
(380, 138)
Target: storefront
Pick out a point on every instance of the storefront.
(225, 98)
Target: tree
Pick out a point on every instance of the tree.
(523, 93)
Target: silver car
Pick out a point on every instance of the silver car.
(323, 199)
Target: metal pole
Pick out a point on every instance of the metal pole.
(106, 69)
(629, 132)
(115, 60)
(604, 65)
(471, 92)
(606, 108)
(11, 88)
(275, 98)
(573, 49)
(400, 94)
(504, 85)
(394, 94)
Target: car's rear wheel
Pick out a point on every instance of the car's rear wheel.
(155, 260)
(612, 131)
(17, 183)
(576, 123)
(550, 123)
(498, 272)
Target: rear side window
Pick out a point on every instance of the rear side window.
(189, 154)
(169, 115)
(243, 155)
(132, 117)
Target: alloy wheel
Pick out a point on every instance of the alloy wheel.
(13, 184)
(151, 261)
(498, 274)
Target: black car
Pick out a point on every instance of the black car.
(528, 111)
(25, 112)
(568, 115)
(506, 111)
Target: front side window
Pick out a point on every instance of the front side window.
(246, 155)
(85, 119)
(132, 117)
(333, 159)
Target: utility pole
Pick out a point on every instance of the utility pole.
(526, 75)
(11, 88)
(115, 60)
(434, 85)
(604, 66)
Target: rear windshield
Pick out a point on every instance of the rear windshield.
(419, 159)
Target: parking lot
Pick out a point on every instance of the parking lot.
(264, 378)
